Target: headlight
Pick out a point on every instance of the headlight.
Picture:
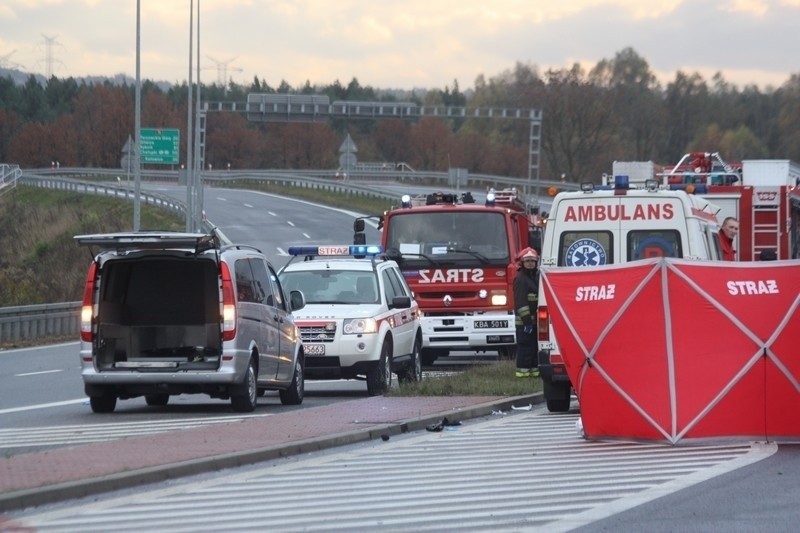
(355, 326)
(499, 298)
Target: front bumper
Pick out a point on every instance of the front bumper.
(456, 332)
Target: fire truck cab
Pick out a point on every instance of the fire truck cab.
(615, 224)
(457, 255)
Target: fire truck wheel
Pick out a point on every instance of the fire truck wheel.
(379, 379)
(429, 355)
(507, 352)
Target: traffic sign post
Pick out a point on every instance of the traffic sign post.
(159, 146)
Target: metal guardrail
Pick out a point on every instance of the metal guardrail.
(28, 322)
(47, 320)
(101, 189)
(304, 178)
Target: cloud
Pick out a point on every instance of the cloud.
(406, 44)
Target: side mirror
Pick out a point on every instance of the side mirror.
(297, 300)
(358, 225)
(401, 302)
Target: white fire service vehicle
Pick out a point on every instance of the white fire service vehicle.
(458, 258)
(761, 194)
(615, 224)
(360, 320)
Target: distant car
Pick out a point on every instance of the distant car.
(360, 320)
(168, 313)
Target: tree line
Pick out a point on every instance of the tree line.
(617, 110)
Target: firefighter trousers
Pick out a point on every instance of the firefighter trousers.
(527, 347)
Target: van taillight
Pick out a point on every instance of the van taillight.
(543, 323)
(228, 304)
(87, 308)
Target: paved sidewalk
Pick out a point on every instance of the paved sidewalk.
(45, 477)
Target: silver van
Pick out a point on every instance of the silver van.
(168, 313)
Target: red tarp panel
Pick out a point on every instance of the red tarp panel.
(669, 349)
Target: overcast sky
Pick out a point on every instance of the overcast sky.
(400, 43)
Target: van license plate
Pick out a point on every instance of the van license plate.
(488, 324)
(314, 349)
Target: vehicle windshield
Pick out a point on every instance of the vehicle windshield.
(466, 237)
(333, 286)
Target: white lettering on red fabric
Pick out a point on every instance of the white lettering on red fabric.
(451, 275)
(741, 288)
(617, 212)
(595, 292)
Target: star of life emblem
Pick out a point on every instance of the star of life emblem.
(586, 252)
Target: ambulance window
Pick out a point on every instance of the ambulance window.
(586, 248)
(644, 244)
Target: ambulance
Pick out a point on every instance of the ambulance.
(602, 225)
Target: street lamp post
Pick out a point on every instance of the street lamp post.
(137, 166)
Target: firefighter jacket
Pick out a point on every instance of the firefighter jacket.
(526, 296)
(728, 253)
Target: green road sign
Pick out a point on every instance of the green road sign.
(160, 146)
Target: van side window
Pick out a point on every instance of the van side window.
(586, 248)
(277, 289)
(244, 281)
(263, 286)
(644, 244)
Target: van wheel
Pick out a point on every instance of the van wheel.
(103, 404)
(158, 400)
(294, 394)
(379, 379)
(244, 396)
(412, 371)
(557, 396)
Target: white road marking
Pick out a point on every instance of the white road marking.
(38, 373)
(41, 406)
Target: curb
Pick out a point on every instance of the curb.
(18, 500)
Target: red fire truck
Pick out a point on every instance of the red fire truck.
(761, 193)
(457, 256)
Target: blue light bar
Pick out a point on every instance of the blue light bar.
(621, 182)
(343, 250)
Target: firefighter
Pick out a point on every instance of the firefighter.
(526, 291)
(727, 236)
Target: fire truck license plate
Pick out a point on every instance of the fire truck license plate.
(486, 324)
(314, 349)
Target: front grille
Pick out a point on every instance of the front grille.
(316, 334)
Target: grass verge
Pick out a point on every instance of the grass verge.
(493, 379)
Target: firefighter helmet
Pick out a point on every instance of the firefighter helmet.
(528, 253)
